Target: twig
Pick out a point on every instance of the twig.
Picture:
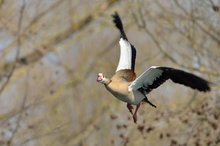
(56, 130)
(12, 71)
(89, 128)
(18, 39)
(49, 45)
(208, 32)
(92, 65)
(167, 55)
(144, 27)
(20, 114)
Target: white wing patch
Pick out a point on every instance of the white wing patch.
(125, 60)
(145, 79)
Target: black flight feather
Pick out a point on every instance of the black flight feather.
(180, 77)
(119, 25)
(187, 79)
(133, 53)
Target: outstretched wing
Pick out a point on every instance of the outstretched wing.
(155, 76)
(127, 50)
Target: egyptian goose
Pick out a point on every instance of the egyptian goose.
(126, 87)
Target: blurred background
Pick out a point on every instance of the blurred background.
(51, 52)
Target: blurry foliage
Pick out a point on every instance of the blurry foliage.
(50, 52)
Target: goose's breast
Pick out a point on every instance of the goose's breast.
(120, 91)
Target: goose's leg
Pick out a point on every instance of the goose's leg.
(135, 113)
(146, 100)
(130, 108)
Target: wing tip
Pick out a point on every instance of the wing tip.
(118, 23)
(205, 87)
(188, 79)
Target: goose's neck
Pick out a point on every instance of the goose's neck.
(106, 81)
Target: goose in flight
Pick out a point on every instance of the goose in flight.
(126, 87)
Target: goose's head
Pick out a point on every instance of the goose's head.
(102, 79)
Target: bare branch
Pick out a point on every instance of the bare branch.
(143, 26)
(209, 33)
(54, 131)
(49, 46)
(20, 114)
(10, 73)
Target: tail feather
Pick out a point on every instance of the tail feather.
(119, 25)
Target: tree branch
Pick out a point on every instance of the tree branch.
(18, 39)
